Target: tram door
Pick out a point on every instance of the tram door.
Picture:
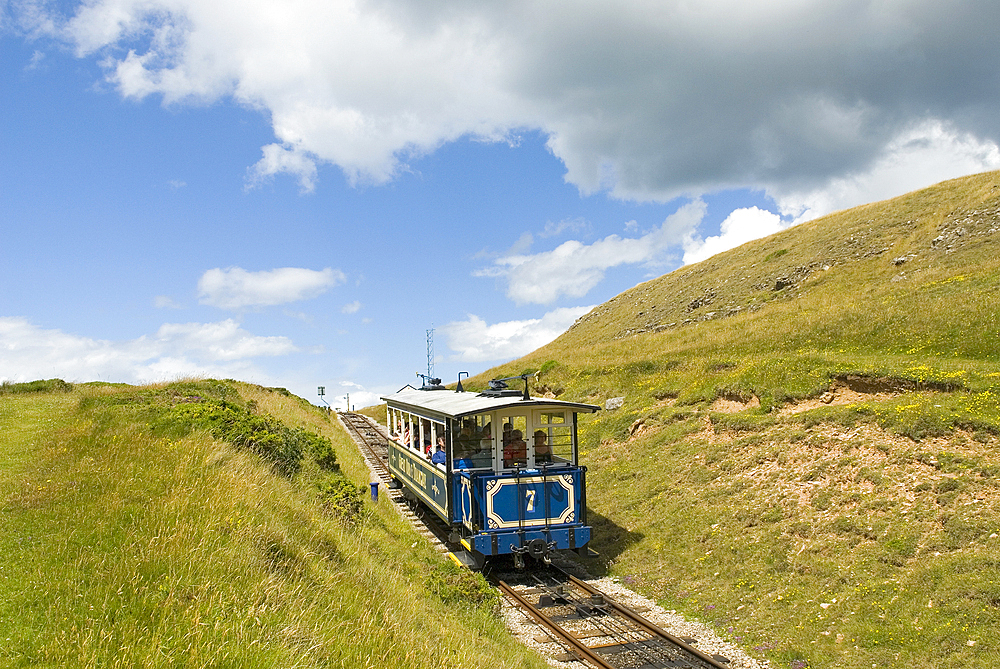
(512, 446)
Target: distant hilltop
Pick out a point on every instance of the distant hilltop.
(895, 241)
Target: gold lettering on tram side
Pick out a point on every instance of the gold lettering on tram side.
(413, 471)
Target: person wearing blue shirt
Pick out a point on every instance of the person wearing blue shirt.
(439, 457)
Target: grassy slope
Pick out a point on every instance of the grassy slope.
(121, 548)
(857, 533)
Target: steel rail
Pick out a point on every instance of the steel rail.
(374, 448)
(624, 627)
(624, 630)
(350, 421)
(646, 625)
(579, 648)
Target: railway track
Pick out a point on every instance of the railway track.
(373, 444)
(589, 626)
(593, 628)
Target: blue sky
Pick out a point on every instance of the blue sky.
(293, 193)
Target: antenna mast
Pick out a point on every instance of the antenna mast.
(430, 352)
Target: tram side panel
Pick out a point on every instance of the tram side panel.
(424, 479)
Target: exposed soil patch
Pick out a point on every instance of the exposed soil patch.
(853, 389)
(837, 395)
(734, 404)
(858, 460)
(637, 428)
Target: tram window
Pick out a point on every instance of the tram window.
(395, 425)
(558, 433)
(426, 443)
(399, 424)
(473, 448)
(514, 440)
(411, 432)
(434, 433)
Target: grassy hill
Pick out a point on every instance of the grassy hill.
(216, 524)
(807, 453)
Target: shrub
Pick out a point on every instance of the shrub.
(343, 499)
(897, 549)
(949, 484)
(549, 366)
(47, 386)
(454, 585)
(266, 436)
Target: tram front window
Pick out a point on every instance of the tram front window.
(556, 434)
(514, 441)
(473, 448)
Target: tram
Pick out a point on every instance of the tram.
(499, 467)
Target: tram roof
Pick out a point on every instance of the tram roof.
(451, 404)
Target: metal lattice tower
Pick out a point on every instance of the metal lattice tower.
(430, 353)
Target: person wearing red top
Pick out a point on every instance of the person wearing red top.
(516, 452)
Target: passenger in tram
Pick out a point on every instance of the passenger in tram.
(505, 438)
(516, 452)
(464, 440)
(543, 454)
(483, 455)
(427, 448)
(439, 457)
(464, 447)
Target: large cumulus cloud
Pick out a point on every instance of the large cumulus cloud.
(222, 349)
(644, 100)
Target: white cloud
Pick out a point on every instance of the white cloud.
(166, 302)
(642, 100)
(224, 340)
(283, 160)
(741, 226)
(573, 268)
(236, 288)
(522, 245)
(220, 349)
(36, 58)
(925, 154)
(351, 307)
(176, 184)
(359, 396)
(571, 224)
(473, 340)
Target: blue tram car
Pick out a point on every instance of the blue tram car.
(499, 468)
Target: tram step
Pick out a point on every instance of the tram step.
(466, 559)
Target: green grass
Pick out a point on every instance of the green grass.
(888, 502)
(125, 546)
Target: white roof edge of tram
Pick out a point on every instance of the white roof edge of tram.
(454, 404)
